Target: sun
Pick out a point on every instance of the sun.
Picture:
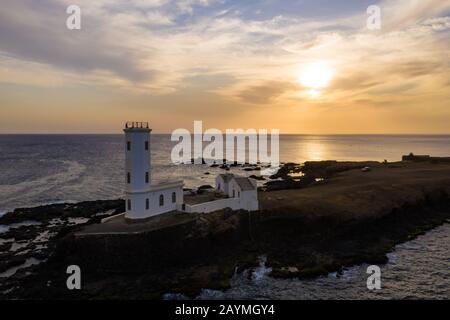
(315, 76)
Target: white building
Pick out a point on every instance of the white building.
(246, 190)
(242, 188)
(145, 199)
(223, 182)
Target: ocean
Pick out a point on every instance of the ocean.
(43, 169)
(417, 269)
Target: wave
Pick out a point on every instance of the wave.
(31, 189)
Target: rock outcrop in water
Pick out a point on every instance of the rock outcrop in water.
(349, 218)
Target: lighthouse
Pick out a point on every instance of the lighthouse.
(145, 199)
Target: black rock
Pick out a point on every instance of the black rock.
(205, 187)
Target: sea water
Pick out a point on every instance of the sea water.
(42, 169)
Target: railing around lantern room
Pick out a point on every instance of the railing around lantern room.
(137, 125)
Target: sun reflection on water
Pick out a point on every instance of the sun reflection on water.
(313, 151)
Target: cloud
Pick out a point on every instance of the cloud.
(39, 35)
(155, 46)
(266, 93)
(438, 24)
(406, 13)
(157, 18)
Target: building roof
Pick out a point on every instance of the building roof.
(245, 184)
(226, 177)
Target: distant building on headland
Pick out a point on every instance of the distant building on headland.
(414, 157)
(419, 158)
(145, 199)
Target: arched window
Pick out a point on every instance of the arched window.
(174, 197)
(161, 200)
(129, 205)
(146, 177)
(147, 204)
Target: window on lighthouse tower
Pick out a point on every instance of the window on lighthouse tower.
(128, 145)
(146, 145)
(146, 177)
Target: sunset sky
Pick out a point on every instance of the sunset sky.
(301, 66)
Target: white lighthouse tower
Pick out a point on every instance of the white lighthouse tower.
(144, 199)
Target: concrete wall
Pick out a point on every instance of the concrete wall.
(138, 203)
(232, 203)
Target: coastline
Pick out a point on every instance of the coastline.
(308, 230)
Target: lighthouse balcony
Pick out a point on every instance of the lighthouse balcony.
(137, 126)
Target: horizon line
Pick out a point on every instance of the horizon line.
(281, 134)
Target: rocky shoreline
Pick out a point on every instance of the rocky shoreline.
(320, 229)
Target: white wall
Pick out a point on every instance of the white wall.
(224, 186)
(248, 200)
(233, 186)
(138, 203)
(232, 203)
(137, 160)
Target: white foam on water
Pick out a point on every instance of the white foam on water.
(3, 241)
(3, 228)
(210, 294)
(261, 271)
(269, 171)
(106, 213)
(55, 222)
(75, 221)
(34, 188)
(44, 236)
(18, 245)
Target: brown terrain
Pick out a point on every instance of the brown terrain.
(357, 194)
